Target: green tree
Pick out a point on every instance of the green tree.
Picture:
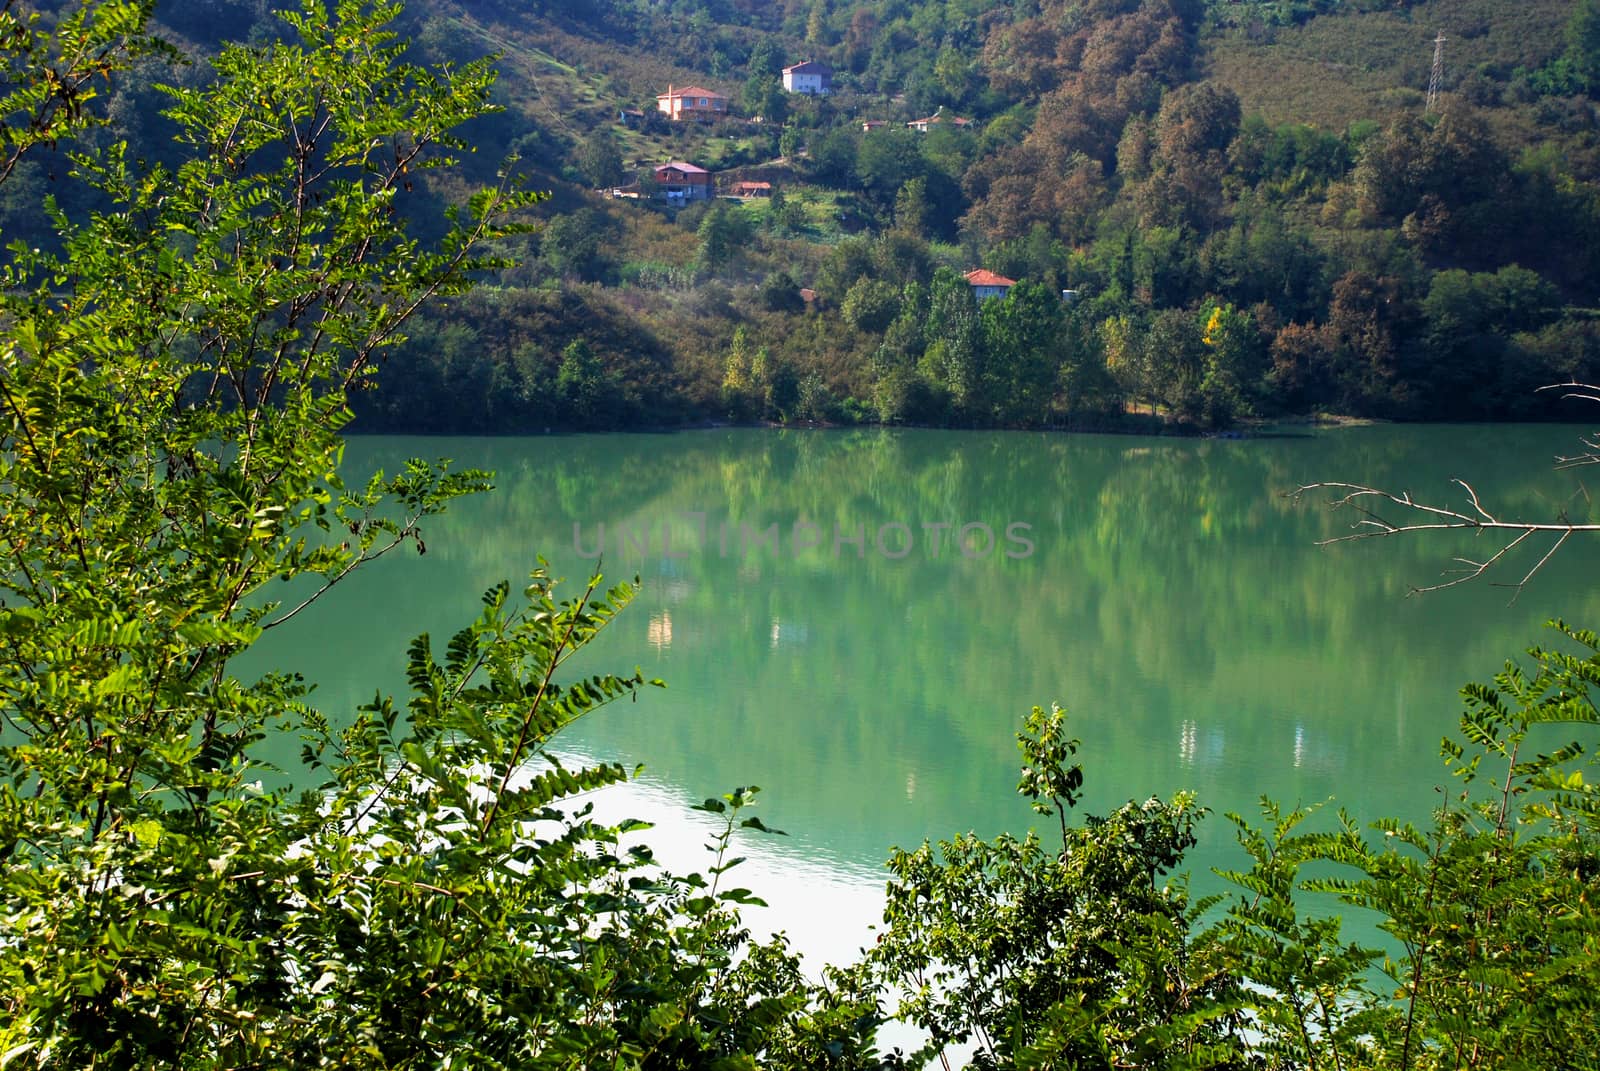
(583, 388)
(173, 385)
(722, 232)
(817, 23)
(766, 59)
(599, 160)
(1022, 335)
(833, 157)
(1234, 364)
(742, 378)
(871, 305)
(886, 161)
(1127, 359)
(955, 337)
(763, 96)
(51, 66)
(1175, 360)
(574, 245)
(1080, 956)
(1583, 42)
(911, 208)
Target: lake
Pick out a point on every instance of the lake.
(858, 620)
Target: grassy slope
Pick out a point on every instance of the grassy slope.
(1336, 69)
(570, 84)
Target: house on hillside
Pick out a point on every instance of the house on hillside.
(809, 77)
(986, 284)
(750, 189)
(679, 183)
(869, 125)
(938, 118)
(692, 102)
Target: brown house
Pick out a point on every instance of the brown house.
(679, 183)
(692, 102)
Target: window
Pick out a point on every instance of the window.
(703, 102)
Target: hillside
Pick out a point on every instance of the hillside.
(1251, 202)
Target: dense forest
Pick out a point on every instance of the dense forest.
(1259, 208)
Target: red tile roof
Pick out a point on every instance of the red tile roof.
(983, 277)
(690, 91)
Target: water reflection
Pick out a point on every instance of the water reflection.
(1171, 594)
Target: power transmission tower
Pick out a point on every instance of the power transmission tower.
(1438, 71)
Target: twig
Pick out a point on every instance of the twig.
(1366, 501)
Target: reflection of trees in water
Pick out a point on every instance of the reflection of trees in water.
(1175, 604)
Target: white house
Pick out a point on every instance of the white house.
(938, 118)
(809, 77)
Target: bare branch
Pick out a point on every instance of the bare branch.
(1405, 515)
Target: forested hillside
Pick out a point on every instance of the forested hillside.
(1254, 205)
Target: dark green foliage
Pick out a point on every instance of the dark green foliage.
(1583, 44)
(1079, 956)
(780, 293)
(575, 246)
(1022, 340)
(598, 159)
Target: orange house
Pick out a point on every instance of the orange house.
(692, 102)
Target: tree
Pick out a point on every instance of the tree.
(766, 59)
(1234, 364)
(50, 69)
(1175, 360)
(955, 339)
(763, 96)
(582, 386)
(173, 385)
(886, 161)
(573, 245)
(722, 232)
(780, 293)
(911, 208)
(817, 23)
(599, 160)
(1583, 42)
(1022, 334)
(871, 305)
(1077, 957)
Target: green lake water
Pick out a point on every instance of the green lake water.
(1162, 590)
